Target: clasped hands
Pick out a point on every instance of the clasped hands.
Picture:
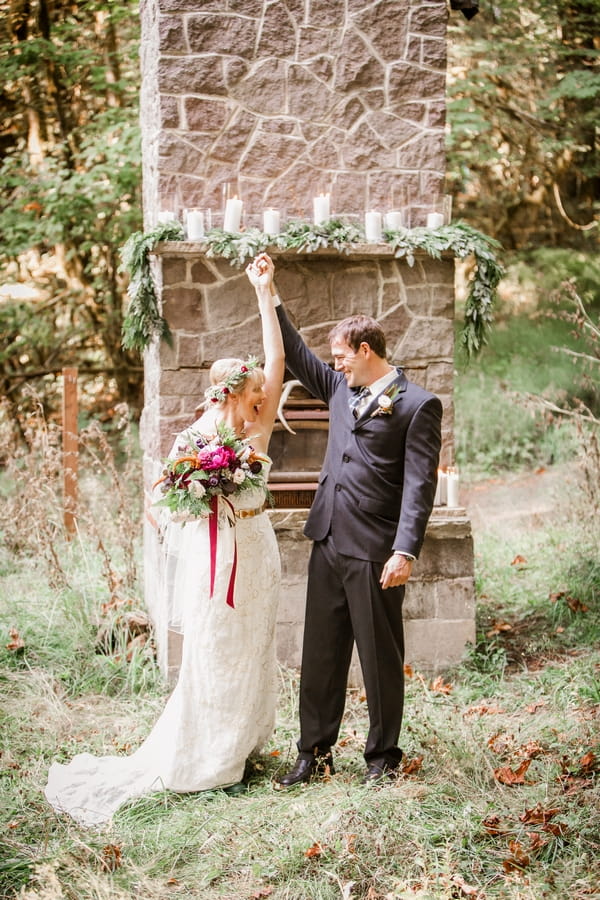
(260, 272)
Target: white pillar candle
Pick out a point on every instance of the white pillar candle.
(321, 209)
(452, 487)
(434, 220)
(393, 220)
(440, 491)
(373, 227)
(233, 215)
(194, 222)
(271, 221)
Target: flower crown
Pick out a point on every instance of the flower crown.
(218, 393)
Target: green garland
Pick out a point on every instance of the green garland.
(143, 321)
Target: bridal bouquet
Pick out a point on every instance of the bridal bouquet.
(206, 468)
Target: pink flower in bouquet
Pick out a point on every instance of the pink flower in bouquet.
(220, 458)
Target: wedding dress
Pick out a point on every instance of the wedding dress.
(223, 705)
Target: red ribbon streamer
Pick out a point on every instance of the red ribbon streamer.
(213, 530)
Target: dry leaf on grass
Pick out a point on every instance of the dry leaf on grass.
(411, 767)
(111, 858)
(316, 850)
(482, 710)
(494, 825)
(506, 775)
(467, 890)
(538, 815)
(16, 642)
(519, 560)
(531, 750)
(519, 859)
(498, 628)
(439, 686)
(533, 707)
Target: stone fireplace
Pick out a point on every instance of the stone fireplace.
(277, 102)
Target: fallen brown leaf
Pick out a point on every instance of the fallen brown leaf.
(262, 892)
(538, 815)
(467, 889)
(506, 775)
(439, 686)
(498, 628)
(537, 840)
(500, 743)
(494, 826)
(588, 763)
(531, 749)
(519, 859)
(317, 849)
(413, 766)
(482, 710)
(349, 840)
(111, 858)
(576, 605)
(519, 560)
(533, 707)
(555, 828)
(408, 670)
(572, 784)
(16, 642)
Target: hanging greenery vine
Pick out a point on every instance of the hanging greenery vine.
(143, 321)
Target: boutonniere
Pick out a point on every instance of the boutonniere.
(385, 401)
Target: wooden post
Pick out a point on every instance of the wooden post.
(70, 448)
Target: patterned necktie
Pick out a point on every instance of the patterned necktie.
(357, 397)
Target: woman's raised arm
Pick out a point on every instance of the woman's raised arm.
(260, 272)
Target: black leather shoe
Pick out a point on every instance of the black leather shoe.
(307, 768)
(380, 774)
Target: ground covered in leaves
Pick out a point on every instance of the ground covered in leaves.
(498, 796)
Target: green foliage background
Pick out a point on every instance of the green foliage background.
(523, 154)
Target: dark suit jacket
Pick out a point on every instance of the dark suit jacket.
(379, 476)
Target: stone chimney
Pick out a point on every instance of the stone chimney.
(277, 102)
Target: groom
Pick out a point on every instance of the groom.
(367, 522)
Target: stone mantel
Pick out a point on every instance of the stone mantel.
(169, 249)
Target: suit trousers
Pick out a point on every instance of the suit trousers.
(345, 604)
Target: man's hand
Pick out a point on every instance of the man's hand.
(396, 571)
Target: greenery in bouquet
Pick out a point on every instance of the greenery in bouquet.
(205, 468)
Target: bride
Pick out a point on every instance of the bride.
(222, 584)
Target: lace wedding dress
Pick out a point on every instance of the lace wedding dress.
(223, 706)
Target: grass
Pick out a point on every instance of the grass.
(499, 426)
(528, 692)
(499, 795)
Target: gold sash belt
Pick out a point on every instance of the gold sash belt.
(248, 513)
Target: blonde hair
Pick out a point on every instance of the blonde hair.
(230, 376)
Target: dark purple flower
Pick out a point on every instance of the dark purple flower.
(255, 467)
(213, 481)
